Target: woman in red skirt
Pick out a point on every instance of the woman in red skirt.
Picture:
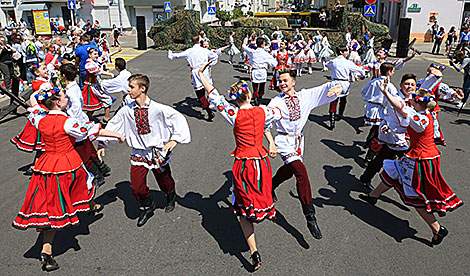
(252, 175)
(60, 186)
(417, 176)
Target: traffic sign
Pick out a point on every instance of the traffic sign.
(211, 10)
(167, 6)
(71, 4)
(370, 2)
(369, 10)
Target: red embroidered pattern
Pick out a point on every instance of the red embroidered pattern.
(141, 159)
(142, 120)
(293, 105)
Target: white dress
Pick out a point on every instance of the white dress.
(326, 51)
(370, 56)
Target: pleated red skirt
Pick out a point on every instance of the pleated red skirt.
(434, 194)
(52, 201)
(252, 189)
(29, 139)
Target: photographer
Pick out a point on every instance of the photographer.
(464, 61)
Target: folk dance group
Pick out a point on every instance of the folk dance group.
(62, 183)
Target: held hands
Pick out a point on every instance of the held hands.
(273, 151)
(169, 146)
(458, 94)
(334, 91)
(122, 138)
(101, 153)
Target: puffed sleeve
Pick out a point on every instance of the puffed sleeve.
(177, 124)
(116, 124)
(81, 129)
(317, 96)
(92, 68)
(418, 122)
(36, 114)
(218, 102)
(399, 64)
(272, 114)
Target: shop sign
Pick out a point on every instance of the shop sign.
(414, 8)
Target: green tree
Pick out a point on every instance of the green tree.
(250, 13)
(237, 13)
(223, 15)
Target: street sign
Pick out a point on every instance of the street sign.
(369, 10)
(211, 10)
(71, 4)
(370, 2)
(167, 6)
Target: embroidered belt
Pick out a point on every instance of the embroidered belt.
(290, 134)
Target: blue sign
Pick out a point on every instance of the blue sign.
(167, 6)
(211, 10)
(369, 10)
(71, 4)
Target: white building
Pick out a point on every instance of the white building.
(447, 12)
(123, 13)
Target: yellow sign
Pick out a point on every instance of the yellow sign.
(41, 22)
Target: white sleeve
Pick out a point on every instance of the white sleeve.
(318, 95)
(356, 69)
(272, 114)
(75, 109)
(225, 109)
(92, 68)
(177, 124)
(81, 129)
(399, 64)
(271, 60)
(37, 113)
(183, 54)
(418, 122)
(116, 124)
(445, 91)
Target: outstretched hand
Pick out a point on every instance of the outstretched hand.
(101, 153)
(334, 91)
(205, 66)
(384, 85)
(435, 72)
(169, 146)
(273, 151)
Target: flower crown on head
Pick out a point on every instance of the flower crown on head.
(46, 94)
(439, 67)
(425, 99)
(385, 50)
(242, 89)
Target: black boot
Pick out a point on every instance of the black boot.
(148, 206)
(104, 169)
(29, 171)
(370, 156)
(170, 201)
(210, 115)
(309, 212)
(98, 179)
(332, 120)
(256, 260)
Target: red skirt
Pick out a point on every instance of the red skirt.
(252, 189)
(90, 100)
(29, 139)
(52, 201)
(434, 194)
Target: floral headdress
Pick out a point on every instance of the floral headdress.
(46, 94)
(243, 88)
(425, 99)
(439, 67)
(385, 51)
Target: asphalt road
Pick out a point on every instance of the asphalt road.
(202, 236)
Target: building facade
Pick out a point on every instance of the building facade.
(448, 13)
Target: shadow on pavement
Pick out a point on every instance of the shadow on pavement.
(219, 221)
(455, 110)
(186, 107)
(345, 151)
(65, 239)
(461, 122)
(281, 221)
(355, 123)
(343, 184)
(320, 120)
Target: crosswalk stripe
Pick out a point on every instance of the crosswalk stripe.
(127, 54)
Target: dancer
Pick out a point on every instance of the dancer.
(310, 56)
(261, 60)
(252, 182)
(353, 51)
(348, 37)
(119, 84)
(283, 58)
(233, 50)
(417, 177)
(375, 104)
(275, 43)
(295, 107)
(343, 71)
(325, 52)
(369, 56)
(433, 83)
(373, 68)
(94, 96)
(60, 186)
(74, 110)
(152, 131)
(299, 57)
(317, 48)
(392, 131)
(196, 57)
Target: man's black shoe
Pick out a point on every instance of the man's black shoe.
(146, 214)
(170, 202)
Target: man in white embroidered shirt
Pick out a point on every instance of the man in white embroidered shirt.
(152, 130)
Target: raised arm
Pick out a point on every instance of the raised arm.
(203, 79)
(394, 101)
